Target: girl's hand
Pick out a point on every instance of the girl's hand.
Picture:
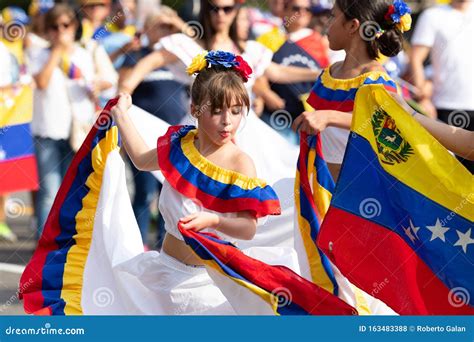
(122, 106)
(312, 123)
(199, 221)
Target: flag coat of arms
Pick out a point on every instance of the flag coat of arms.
(400, 225)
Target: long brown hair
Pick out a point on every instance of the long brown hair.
(208, 30)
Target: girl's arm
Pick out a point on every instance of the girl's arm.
(283, 74)
(457, 140)
(316, 121)
(154, 60)
(262, 89)
(243, 227)
(144, 158)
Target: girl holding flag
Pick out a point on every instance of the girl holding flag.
(364, 30)
(195, 162)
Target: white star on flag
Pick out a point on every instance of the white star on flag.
(438, 231)
(408, 231)
(464, 240)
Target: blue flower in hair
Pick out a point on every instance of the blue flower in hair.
(398, 10)
(222, 58)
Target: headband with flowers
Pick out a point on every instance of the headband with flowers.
(399, 14)
(222, 59)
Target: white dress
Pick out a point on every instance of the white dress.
(275, 159)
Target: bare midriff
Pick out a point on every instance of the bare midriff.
(178, 249)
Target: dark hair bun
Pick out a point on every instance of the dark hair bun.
(390, 43)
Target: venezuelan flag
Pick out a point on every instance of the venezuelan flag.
(218, 189)
(17, 160)
(402, 213)
(53, 279)
(313, 190)
(269, 289)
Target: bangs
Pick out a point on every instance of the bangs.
(220, 89)
(228, 94)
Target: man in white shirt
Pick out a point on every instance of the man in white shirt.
(445, 32)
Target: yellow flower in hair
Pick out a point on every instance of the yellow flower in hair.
(405, 23)
(198, 63)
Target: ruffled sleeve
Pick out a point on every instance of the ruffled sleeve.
(218, 189)
(330, 93)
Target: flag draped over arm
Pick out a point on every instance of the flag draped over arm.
(400, 225)
(254, 287)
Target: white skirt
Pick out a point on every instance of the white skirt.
(166, 286)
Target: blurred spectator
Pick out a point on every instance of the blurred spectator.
(64, 76)
(303, 47)
(162, 95)
(117, 35)
(95, 13)
(444, 33)
(36, 37)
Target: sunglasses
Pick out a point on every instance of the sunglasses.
(226, 9)
(296, 8)
(59, 26)
(94, 5)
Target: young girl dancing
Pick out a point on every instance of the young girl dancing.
(201, 167)
(364, 30)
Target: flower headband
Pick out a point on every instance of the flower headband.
(397, 14)
(220, 58)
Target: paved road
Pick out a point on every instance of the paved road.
(12, 254)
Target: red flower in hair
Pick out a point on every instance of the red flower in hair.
(388, 15)
(243, 68)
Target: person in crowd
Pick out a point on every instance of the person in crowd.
(444, 33)
(93, 27)
(303, 48)
(64, 76)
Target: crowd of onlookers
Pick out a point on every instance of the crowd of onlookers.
(77, 53)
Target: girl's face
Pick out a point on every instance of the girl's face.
(339, 30)
(219, 125)
(222, 14)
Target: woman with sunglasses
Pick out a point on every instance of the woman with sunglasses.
(64, 75)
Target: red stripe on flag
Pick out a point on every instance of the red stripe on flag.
(310, 297)
(369, 254)
(18, 175)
